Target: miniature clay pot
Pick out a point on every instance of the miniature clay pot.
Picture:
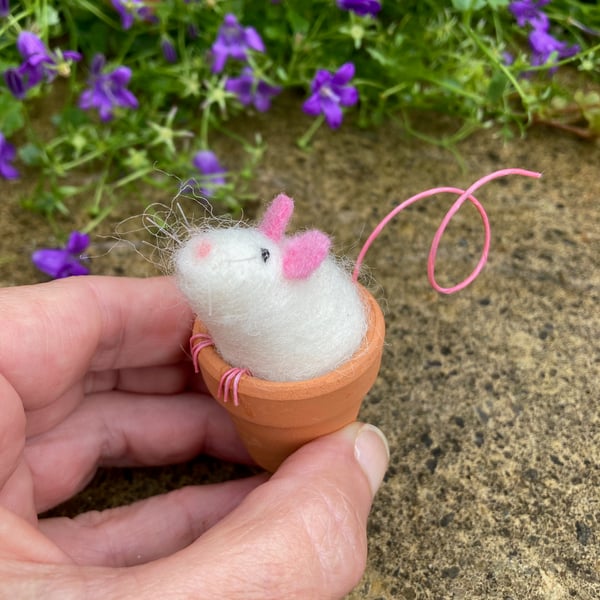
(274, 419)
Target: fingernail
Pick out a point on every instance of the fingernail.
(372, 452)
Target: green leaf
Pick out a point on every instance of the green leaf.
(66, 191)
(45, 203)
(379, 57)
(48, 17)
(11, 114)
(497, 86)
(298, 22)
(30, 154)
(465, 5)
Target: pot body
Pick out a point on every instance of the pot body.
(274, 418)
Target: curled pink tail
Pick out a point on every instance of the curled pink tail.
(463, 195)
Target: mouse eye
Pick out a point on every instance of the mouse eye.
(264, 254)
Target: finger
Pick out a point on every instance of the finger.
(54, 333)
(148, 529)
(169, 379)
(121, 429)
(12, 430)
(300, 535)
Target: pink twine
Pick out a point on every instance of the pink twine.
(198, 342)
(463, 196)
(231, 379)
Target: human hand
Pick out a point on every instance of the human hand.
(93, 372)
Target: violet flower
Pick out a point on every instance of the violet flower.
(107, 91)
(63, 262)
(15, 83)
(129, 10)
(7, 155)
(168, 50)
(361, 7)
(544, 45)
(251, 90)
(38, 64)
(234, 41)
(4, 8)
(528, 11)
(213, 173)
(330, 91)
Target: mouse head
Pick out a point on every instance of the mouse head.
(228, 268)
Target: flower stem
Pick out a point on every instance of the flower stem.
(305, 140)
(204, 126)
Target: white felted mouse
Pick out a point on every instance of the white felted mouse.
(281, 307)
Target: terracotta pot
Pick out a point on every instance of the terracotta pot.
(274, 419)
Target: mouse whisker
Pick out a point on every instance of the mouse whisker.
(183, 215)
(162, 228)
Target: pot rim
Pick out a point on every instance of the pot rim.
(284, 391)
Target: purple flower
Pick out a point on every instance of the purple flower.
(168, 51)
(234, 41)
(507, 58)
(361, 7)
(213, 173)
(107, 91)
(330, 91)
(251, 90)
(4, 8)
(129, 10)
(63, 262)
(544, 45)
(528, 11)
(38, 64)
(15, 83)
(7, 155)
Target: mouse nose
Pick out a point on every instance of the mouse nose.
(203, 249)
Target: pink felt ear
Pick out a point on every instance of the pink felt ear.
(276, 218)
(304, 253)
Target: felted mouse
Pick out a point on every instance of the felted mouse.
(281, 307)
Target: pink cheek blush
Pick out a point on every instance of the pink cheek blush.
(203, 249)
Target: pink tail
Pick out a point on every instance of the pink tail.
(463, 196)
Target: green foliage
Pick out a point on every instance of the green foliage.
(11, 114)
(437, 56)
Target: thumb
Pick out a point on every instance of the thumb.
(302, 534)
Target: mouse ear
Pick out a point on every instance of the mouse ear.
(276, 218)
(304, 253)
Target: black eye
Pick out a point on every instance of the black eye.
(264, 254)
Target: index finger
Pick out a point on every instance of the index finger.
(54, 333)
